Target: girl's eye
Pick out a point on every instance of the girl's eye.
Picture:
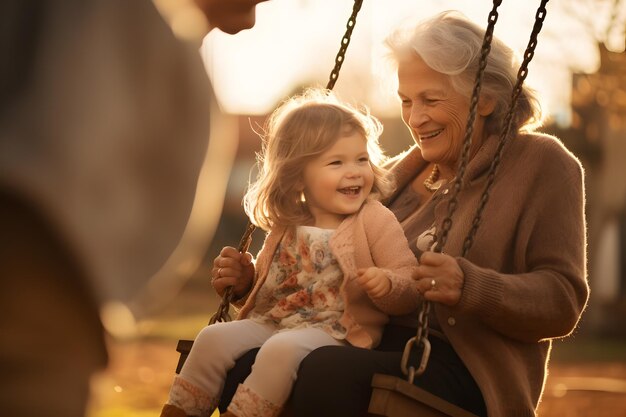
(334, 163)
(364, 159)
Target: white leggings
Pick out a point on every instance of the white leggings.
(218, 346)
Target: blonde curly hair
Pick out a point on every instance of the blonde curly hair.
(300, 129)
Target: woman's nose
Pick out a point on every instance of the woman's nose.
(418, 115)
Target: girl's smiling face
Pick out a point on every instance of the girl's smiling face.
(337, 182)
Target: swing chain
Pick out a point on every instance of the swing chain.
(504, 134)
(345, 41)
(469, 129)
(421, 339)
(222, 313)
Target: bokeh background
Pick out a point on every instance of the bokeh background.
(579, 67)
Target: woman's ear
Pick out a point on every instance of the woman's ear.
(486, 105)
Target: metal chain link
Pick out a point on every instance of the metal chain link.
(222, 313)
(421, 338)
(504, 134)
(345, 41)
(469, 128)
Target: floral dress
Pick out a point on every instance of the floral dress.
(303, 286)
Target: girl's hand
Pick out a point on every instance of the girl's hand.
(374, 281)
(234, 268)
(439, 278)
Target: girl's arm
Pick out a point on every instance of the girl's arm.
(394, 261)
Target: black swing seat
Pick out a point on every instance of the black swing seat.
(395, 397)
(183, 347)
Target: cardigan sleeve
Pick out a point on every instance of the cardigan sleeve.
(390, 252)
(546, 290)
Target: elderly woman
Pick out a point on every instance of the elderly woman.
(523, 283)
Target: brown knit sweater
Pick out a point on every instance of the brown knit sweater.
(525, 275)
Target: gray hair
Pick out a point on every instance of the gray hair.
(451, 44)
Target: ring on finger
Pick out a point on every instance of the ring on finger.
(433, 284)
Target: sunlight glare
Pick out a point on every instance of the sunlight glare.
(295, 43)
(118, 320)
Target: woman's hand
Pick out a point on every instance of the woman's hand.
(374, 281)
(439, 278)
(234, 268)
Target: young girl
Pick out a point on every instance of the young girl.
(334, 264)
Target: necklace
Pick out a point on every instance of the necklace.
(429, 183)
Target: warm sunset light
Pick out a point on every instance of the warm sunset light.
(294, 43)
(175, 198)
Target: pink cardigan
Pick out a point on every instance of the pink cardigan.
(371, 237)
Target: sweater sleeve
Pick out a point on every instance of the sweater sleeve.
(390, 252)
(546, 291)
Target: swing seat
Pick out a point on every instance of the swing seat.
(183, 347)
(395, 397)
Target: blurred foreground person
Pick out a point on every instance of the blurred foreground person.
(103, 128)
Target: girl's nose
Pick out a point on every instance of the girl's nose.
(353, 170)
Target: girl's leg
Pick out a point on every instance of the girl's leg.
(235, 376)
(197, 388)
(268, 387)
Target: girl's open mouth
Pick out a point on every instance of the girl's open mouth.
(350, 190)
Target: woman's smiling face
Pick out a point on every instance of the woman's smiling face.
(434, 112)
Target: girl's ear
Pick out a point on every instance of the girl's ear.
(486, 105)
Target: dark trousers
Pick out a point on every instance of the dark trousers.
(334, 381)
